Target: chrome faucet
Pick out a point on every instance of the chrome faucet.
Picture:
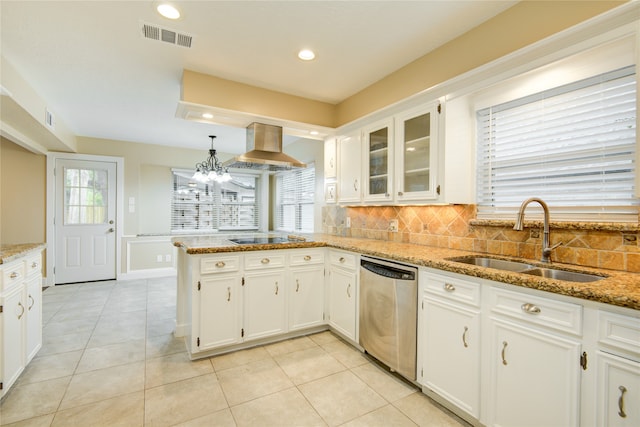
(546, 249)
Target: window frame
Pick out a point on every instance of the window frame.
(298, 204)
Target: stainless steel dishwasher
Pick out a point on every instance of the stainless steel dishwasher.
(388, 313)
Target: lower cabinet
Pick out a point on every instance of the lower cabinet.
(618, 400)
(264, 304)
(306, 297)
(343, 288)
(219, 305)
(33, 300)
(13, 331)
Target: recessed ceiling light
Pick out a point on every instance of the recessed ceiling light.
(207, 116)
(306, 54)
(168, 11)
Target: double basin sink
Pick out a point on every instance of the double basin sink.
(523, 267)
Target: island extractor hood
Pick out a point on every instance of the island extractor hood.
(264, 150)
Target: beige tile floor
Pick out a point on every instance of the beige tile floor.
(109, 358)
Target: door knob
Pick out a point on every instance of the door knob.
(111, 222)
(111, 230)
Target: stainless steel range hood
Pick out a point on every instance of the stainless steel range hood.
(264, 150)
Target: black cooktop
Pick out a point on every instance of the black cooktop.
(260, 240)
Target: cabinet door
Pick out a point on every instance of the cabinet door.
(330, 164)
(416, 159)
(618, 391)
(535, 377)
(264, 304)
(306, 297)
(33, 300)
(349, 169)
(451, 353)
(342, 302)
(13, 324)
(219, 303)
(378, 161)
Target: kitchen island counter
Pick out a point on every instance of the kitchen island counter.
(618, 288)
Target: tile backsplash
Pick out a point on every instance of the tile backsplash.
(452, 226)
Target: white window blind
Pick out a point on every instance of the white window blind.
(198, 207)
(295, 193)
(573, 146)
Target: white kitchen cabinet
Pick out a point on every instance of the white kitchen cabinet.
(219, 300)
(264, 309)
(416, 156)
(378, 150)
(449, 330)
(306, 289)
(534, 361)
(13, 333)
(33, 301)
(618, 400)
(350, 168)
(343, 289)
(330, 161)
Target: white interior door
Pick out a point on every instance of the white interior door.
(85, 221)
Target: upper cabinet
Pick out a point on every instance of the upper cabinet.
(350, 168)
(378, 151)
(330, 163)
(416, 163)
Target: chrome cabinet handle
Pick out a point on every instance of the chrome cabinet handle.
(220, 264)
(355, 184)
(22, 312)
(331, 162)
(228, 293)
(32, 302)
(530, 308)
(400, 193)
(464, 337)
(342, 260)
(307, 257)
(504, 349)
(449, 287)
(34, 264)
(14, 275)
(265, 260)
(621, 412)
(349, 290)
(297, 285)
(276, 288)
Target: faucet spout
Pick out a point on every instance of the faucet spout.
(519, 225)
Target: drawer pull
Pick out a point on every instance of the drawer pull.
(34, 264)
(342, 260)
(14, 275)
(220, 264)
(21, 312)
(621, 412)
(297, 285)
(449, 287)
(228, 293)
(307, 257)
(504, 349)
(265, 260)
(32, 302)
(530, 308)
(349, 290)
(464, 336)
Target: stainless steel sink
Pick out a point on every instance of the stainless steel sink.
(523, 267)
(498, 264)
(569, 276)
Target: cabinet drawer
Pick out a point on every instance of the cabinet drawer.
(33, 264)
(343, 259)
(451, 288)
(272, 259)
(12, 274)
(221, 264)
(306, 257)
(562, 316)
(618, 331)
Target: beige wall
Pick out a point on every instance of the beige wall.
(23, 195)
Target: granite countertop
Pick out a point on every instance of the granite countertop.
(618, 288)
(9, 253)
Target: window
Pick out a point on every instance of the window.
(197, 207)
(295, 193)
(573, 146)
(85, 196)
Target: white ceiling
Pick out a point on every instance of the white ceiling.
(90, 63)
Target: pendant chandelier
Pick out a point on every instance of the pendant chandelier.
(211, 169)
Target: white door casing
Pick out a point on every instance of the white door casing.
(84, 200)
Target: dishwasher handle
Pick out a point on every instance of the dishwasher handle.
(388, 271)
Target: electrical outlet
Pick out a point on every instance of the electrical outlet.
(348, 222)
(158, 258)
(393, 225)
(167, 258)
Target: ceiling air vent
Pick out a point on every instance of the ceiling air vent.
(155, 32)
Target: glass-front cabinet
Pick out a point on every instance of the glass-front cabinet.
(378, 164)
(416, 154)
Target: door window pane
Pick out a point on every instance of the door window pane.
(85, 196)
